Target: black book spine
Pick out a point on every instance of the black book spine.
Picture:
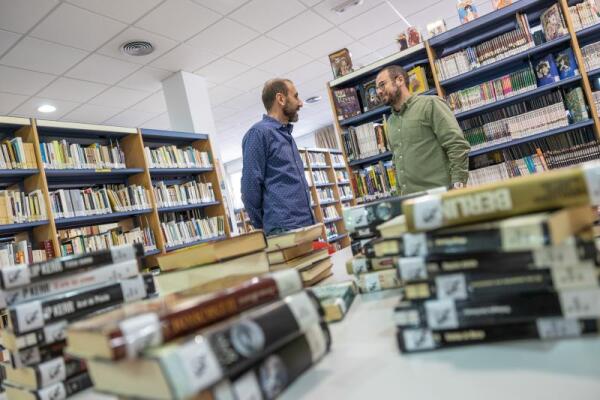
(72, 305)
(77, 384)
(57, 370)
(416, 340)
(273, 374)
(36, 354)
(370, 215)
(453, 314)
(21, 275)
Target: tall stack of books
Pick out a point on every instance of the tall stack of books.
(507, 261)
(294, 250)
(193, 345)
(240, 257)
(40, 300)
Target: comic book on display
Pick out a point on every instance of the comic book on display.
(553, 23)
(370, 99)
(341, 63)
(436, 27)
(498, 4)
(346, 103)
(467, 11)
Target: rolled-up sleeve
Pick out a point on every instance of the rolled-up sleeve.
(254, 157)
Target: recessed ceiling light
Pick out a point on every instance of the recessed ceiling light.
(313, 99)
(46, 108)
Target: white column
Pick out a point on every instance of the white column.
(189, 109)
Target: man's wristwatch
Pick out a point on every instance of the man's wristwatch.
(458, 185)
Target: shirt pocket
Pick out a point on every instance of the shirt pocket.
(412, 130)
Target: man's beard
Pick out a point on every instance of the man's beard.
(392, 98)
(290, 113)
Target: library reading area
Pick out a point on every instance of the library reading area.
(299, 199)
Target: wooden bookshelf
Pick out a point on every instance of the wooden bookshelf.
(132, 142)
(243, 221)
(328, 168)
(481, 29)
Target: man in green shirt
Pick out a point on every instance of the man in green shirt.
(428, 145)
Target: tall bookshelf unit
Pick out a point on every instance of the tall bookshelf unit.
(328, 170)
(132, 142)
(481, 29)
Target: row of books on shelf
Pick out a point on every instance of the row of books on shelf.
(16, 250)
(325, 194)
(320, 177)
(337, 160)
(190, 226)
(16, 154)
(315, 159)
(345, 192)
(471, 278)
(192, 192)
(91, 238)
(584, 14)
(60, 154)
(341, 176)
(349, 103)
(498, 48)
(19, 207)
(175, 157)
(365, 140)
(591, 56)
(331, 231)
(375, 180)
(330, 212)
(69, 203)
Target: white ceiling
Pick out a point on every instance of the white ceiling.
(66, 52)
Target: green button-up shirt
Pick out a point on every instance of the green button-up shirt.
(428, 145)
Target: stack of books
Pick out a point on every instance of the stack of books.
(174, 157)
(64, 155)
(40, 300)
(240, 257)
(507, 261)
(100, 237)
(15, 154)
(336, 299)
(294, 250)
(196, 345)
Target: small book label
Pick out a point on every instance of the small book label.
(246, 387)
(556, 256)
(29, 316)
(583, 303)
(55, 332)
(140, 332)
(414, 244)
(427, 212)
(200, 366)
(591, 172)
(122, 253)
(356, 218)
(406, 317)
(522, 237)
(133, 289)
(54, 392)
(418, 339)
(52, 371)
(303, 309)
(554, 328)
(451, 286)
(316, 341)
(288, 282)
(574, 277)
(15, 275)
(372, 283)
(412, 268)
(359, 265)
(441, 314)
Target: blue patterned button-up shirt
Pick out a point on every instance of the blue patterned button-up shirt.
(274, 189)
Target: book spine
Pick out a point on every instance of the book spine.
(109, 273)
(522, 307)
(269, 377)
(415, 340)
(563, 188)
(36, 354)
(128, 342)
(57, 370)
(378, 281)
(33, 315)
(232, 348)
(51, 333)
(463, 286)
(21, 275)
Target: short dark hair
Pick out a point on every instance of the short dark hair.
(270, 90)
(395, 71)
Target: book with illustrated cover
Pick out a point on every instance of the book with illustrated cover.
(546, 71)
(576, 104)
(413, 35)
(566, 64)
(370, 99)
(341, 63)
(498, 4)
(467, 11)
(436, 27)
(417, 80)
(553, 23)
(346, 103)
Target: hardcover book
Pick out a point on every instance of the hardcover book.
(566, 64)
(414, 36)
(280, 256)
(336, 299)
(346, 103)
(436, 27)
(370, 99)
(294, 237)
(576, 104)
(417, 80)
(467, 11)
(553, 23)
(546, 71)
(341, 63)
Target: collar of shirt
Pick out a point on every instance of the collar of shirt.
(405, 105)
(287, 128)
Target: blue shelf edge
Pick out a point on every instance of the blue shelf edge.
(319, 166)
(336, 238)
(587, 31)
(328, 203)
(595, 71)
(169, 135)
(178, 171)
(21, 226)
(365, 116)
(331, 220)
(94, 219)
(514, 99)
(151, 252)
(184, 245)
(17, 172)
(324, 184)
(489, 67)
(369, 160)
(582, 124)
(187, 207)
(94, 172)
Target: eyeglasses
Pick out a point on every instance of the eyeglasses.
(381, 84)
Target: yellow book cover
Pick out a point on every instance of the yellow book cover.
(417, 81)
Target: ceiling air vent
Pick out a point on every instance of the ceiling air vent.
(137, 48)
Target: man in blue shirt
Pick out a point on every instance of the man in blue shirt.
(274, 190)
